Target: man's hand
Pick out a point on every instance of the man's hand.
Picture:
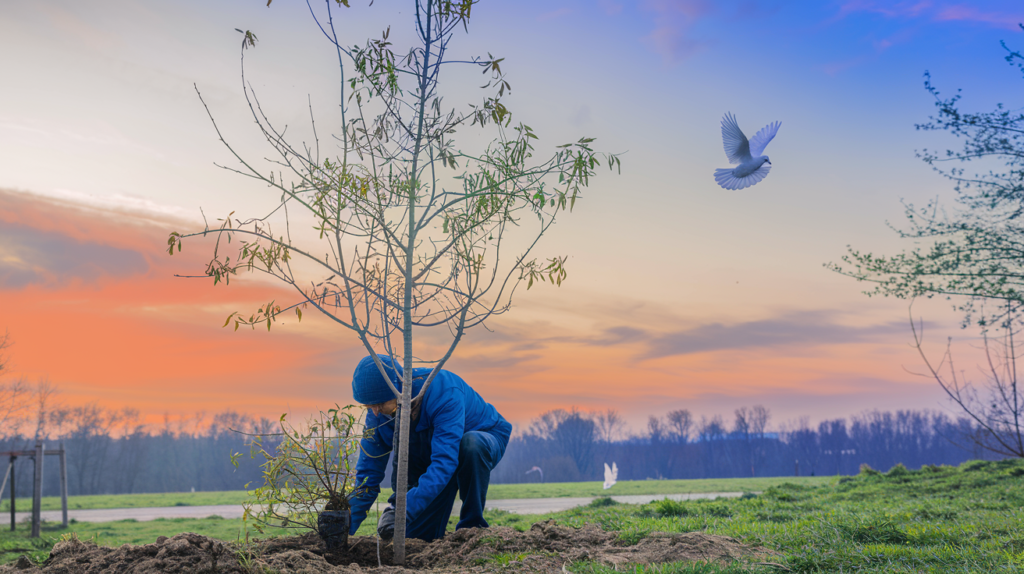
(386, 523)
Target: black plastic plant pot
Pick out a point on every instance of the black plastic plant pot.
(332, 526)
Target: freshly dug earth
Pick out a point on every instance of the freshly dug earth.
(544, 548)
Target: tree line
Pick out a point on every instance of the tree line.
(567, 446)
(112, 452)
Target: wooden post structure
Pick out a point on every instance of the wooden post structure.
(37, 491)
(63, 484)
(37, 454)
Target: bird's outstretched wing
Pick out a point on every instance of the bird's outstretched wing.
(610, 474)
(737, 148)
(761, 139)
(727, 179)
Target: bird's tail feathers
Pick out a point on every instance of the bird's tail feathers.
(726, 179)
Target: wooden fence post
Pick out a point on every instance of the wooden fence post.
(63, 484)
(37, 491)
(12, 491)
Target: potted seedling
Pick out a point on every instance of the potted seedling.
(308, 475)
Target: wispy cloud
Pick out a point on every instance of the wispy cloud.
(968, 13)
(806, 328)
(911, 9)
(32, 257)
(930, 11)
(673, 22)
(91, 298)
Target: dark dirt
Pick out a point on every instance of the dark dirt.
(544, 548)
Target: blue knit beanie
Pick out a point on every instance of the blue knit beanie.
(369, 387)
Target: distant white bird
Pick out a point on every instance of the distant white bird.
(537, 469)
(610, 474)
(753, 167)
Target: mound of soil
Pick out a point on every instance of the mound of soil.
(544, 548)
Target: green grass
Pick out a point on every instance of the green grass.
(496, 492)
(670, 568)
(936, 520)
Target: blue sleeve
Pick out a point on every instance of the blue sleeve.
(373, 460)
(449, 425)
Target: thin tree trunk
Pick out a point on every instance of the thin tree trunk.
(405, 419)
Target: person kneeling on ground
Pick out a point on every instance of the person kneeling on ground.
(455, 440)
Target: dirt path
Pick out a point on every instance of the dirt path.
(516, 505)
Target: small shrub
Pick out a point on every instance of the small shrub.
(718, 510)
(866, 470)
(974, 465)
(669, 507)
(780, 494)
(602, 502)
(633, 536)
(897, 471)
(748, 495)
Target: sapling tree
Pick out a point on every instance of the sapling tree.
(971, 255)
(412, 237)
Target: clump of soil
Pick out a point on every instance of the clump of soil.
(544, 548)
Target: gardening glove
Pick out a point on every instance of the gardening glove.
(386, 523)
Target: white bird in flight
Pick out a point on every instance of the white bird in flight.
(753, 167)
(610, 474)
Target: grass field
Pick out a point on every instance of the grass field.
(937, 520)
(496, 492)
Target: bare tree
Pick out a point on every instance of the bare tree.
(750, 425)
(575, 434)
(804, 441)
(710, 433)
(680, 423)
(46, 410)
(610, 425)
(87, 430)
(656, 429)
(544, 426)
(997, 407)
(410, 231)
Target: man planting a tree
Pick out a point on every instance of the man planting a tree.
(455, 440)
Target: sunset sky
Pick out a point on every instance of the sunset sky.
(680, 294)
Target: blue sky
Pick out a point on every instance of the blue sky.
(689, 295)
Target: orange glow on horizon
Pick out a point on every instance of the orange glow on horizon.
(148, 340)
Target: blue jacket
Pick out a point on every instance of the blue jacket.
(451, 408)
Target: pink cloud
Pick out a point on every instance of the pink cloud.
(971, 14)
(931, 12)
(887, 9)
